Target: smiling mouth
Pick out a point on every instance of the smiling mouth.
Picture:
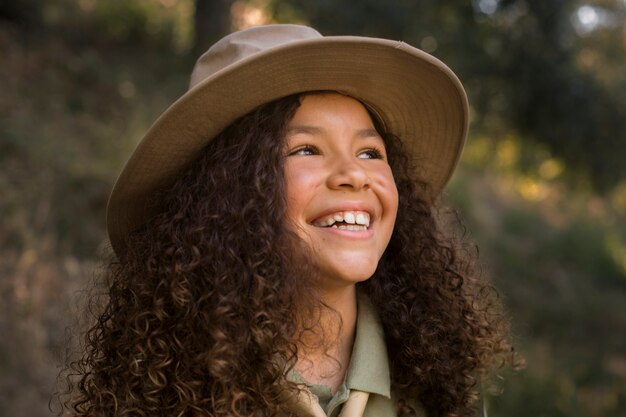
(345, 220)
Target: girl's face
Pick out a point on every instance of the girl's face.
(342, 198)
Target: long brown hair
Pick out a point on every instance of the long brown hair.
(444, 326)
(200, 312)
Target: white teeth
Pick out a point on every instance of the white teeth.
(351, 227)
(360, 218)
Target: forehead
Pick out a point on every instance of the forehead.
(321, 107)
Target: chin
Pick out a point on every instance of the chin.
(349, 276)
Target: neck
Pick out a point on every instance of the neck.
(326, 362)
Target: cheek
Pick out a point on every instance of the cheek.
(393, 197)
(392, 209)
(299, 182)
(388, 193)
(389, 199)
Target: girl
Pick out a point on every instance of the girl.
(278, 250)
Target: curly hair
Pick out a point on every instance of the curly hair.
(444, 327)
(200, 312)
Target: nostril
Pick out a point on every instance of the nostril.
(350, 177)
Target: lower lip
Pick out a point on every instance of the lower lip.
(353, 234)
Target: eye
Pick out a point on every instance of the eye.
(305, 150)
(371, 153)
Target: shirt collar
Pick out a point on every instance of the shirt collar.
(369, 365)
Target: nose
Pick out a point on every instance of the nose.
(347, 173)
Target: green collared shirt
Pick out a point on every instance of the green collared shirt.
(368, 370)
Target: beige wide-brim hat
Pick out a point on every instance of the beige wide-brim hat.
(417, 97)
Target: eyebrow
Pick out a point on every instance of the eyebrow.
(314, 130)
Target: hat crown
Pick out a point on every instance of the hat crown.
(241, 45)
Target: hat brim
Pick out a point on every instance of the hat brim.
(418, 98)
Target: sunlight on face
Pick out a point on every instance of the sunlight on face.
(342, 198)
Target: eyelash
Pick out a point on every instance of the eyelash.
(376, 154)
(312, 150)
(309, 148)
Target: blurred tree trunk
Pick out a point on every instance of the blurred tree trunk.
(26, 13)
(211, 21)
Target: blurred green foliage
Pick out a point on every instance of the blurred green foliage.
(557, 257)
(542, 183)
